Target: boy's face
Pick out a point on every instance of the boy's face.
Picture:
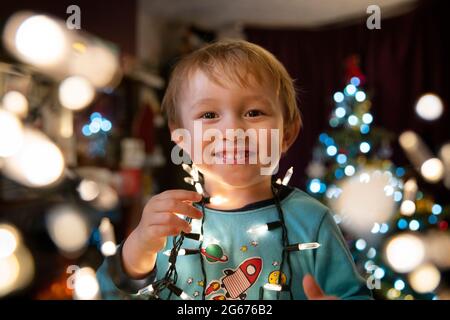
(232, 161)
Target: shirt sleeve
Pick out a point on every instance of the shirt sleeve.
(334, 269)
(114, 282)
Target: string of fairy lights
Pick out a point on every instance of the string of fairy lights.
(169, 281)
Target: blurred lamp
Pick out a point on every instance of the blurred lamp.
(107, 199)
(359, 212)
(45, 42)
(98, 64)
(16, 103)
(405, 252)
(430, 167)
(9, 273)
(68, 229)
(108, 247)
(425, 278)
(11, 134)
(88, 190)
(40, 40)
(432, 170)
(76, 93)
(38, 163)
(16, 262)
(444, 154)
(408, 206)
(9, 240)
(86, 285)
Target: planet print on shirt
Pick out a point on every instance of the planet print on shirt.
(214, 253)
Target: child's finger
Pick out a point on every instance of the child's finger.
(159, 231)
(170, 219)
(177, 206)
(311, 288)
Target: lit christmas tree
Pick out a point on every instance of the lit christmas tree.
(397, 234)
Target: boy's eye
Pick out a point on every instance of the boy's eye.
(209, 115)
(253, 113)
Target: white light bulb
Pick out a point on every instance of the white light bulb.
(360, 96)
(353, 120)
(314, 186)
(349, 170)
(198, 188)
(338, 97)
(287, 176)
(360, 244)
(364, 147)
(340, 112)
(273, 287)
(185, 296)
(308, 246)
(367, 118)
(350, 89)
(147, 290)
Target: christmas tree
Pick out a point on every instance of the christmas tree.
(396, 232)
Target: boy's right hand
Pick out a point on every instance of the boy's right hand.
(158, 221)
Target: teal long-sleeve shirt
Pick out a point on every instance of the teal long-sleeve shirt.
(238, 263)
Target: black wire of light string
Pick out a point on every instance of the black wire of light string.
(178, 242)
(285, 240)
(172, 270)
(202, 263)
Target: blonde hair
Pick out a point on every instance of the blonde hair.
(233, 60)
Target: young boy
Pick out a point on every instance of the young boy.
(232, 85)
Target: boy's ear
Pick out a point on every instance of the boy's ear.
(291, 134)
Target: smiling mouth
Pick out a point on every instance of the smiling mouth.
(235, 157)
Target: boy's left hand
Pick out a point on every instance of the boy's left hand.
(313, 290)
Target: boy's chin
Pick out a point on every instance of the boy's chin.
(238, 176)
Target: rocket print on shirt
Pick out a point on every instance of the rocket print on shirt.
(236, 282)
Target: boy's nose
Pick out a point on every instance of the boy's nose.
(233, 123)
